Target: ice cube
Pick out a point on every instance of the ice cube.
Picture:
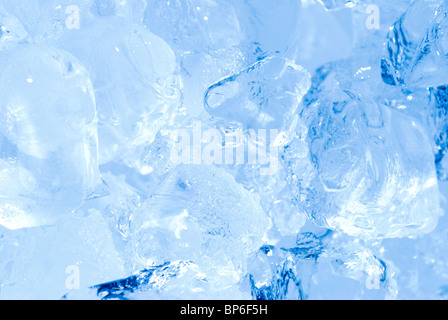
(208, 26)
(409, 52)
(198, 213)
(95, 92)
(204, 35)
(47, 262)
(374, 173)
(266, 95)
(214, 39)
(284, 273)
(49, 128)
(133, 78)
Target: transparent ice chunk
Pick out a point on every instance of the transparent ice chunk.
(47, 20)
(348, 269)
(95, 92)
(48, 136)
(198, 213)
(47, 262)
(133, 78)
(274, 276)
(204, 36)
(410, 46)
(214, 39)
(374, 174)
(284, 273)
(331, 266)
(429, 66)
(276, 198)
(264, 96)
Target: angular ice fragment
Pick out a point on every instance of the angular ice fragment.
(284, 274)
(198, 214)
(276, 198)
(412, 44)
(429, 67)
(362, 74)
(48, 136)
(273, 276)
(372, 21)
(117, 206)
(332, 266)
(374, 173)
(50, 19)
(346, 269)
(264, 96)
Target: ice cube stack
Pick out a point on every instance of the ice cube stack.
(223, 149)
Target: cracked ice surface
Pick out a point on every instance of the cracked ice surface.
(211, 149)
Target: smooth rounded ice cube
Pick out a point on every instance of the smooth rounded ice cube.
(199, 213)
(373, 170)
(133, 77)
(48, 136)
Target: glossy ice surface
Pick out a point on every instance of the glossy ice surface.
(223, 149)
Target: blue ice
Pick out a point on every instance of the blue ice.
(135, 138)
